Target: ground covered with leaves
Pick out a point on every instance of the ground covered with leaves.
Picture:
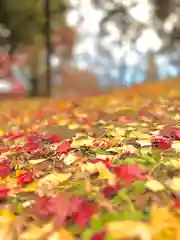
(102, 168)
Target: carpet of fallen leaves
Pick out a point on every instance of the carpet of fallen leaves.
(101, 168)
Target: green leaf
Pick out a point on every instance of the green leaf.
(144, 151)
(139, 186)
(102, 152)
(125, 215)
(96, 223)
(116, 200)
(123, 195)
(74, 229)
(156, 155)
(87, 234)
(19, 207)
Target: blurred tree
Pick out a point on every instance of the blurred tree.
(141, 35)
(27, 24)
(26, 19)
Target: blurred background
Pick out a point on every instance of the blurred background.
(64, 48)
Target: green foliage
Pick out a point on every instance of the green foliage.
(26, 18)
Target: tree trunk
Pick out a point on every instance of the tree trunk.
(151, 69)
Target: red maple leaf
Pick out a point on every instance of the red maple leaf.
(125, 119)
(110, 190)
(106, 161)
(54, 138)
(46, 206)
(64, 148)
(161, 143)
(3, 149)
(85, 213)
(60, 206)
(4, 193)
(176, 203)
(130, 172)
(170, 131)
(25, 178)
(31, 146)
(86, 121)
(99, 236)
(5, 170)
(76, 202)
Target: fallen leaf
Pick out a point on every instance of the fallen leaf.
(35, 232)
(104, 173)
(128, 229)
(154, 186)
(70, 158)
(37, 161)
(51, 181)
(82, 142)
(65, 234)
(174, 184)
(164, 224)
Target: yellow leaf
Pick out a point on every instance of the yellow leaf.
(6, 231)
(144, 142)
(174, 184)
(69, 159)
(89, 167)
(51, 181)
(154, 185)
(37, 161)
(55, 236)
(173, 163)
(6, 216)
(31, 187)
(19, 172)
(1, 132)
(82, 142)
(66, 235)
(35, 232)
(168, 233)
(73, 126)
(109, 127)
(104, 173)
(63, 122)
(128, 229)
(164, 224)
(176, 146)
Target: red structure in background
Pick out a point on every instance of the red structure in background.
(9, 85)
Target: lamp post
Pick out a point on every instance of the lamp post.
(48, 45)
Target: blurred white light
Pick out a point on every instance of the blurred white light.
(105, 41)
(116, 53)
(84, 46)
(132, 58)
(55, 61)
(126, 3)
(74, 3)
(149, 40)
(5, 86)
(170, 22)
(113, 30)
(91, 20)
(72, 18)
(91, 16)
(82, 64)
(142, 11)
